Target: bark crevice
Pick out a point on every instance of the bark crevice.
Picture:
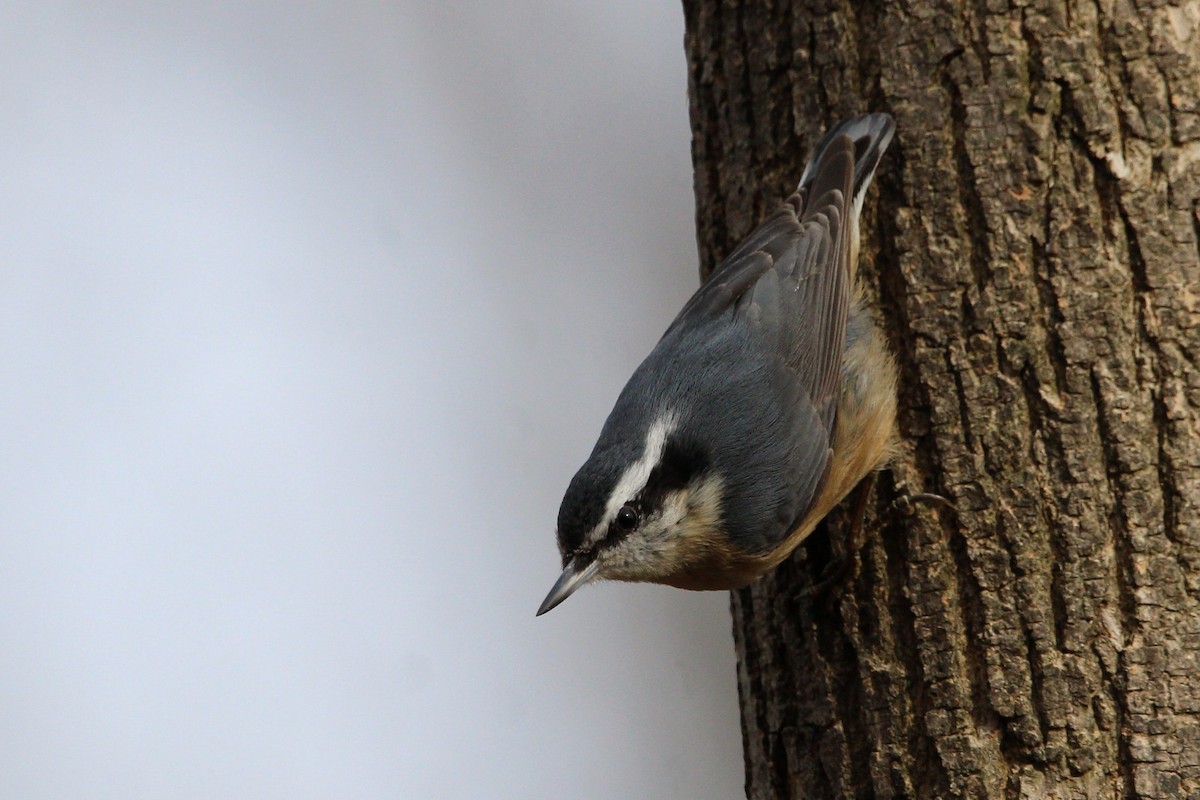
(1032, 248)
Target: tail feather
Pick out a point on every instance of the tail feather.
(870, 136)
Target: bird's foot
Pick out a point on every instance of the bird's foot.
(905, 504)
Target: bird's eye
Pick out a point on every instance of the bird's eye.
(627, 517)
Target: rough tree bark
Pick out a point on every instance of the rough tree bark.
(1031, 246)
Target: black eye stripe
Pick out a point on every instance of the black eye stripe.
(617, 529)
(680, 464)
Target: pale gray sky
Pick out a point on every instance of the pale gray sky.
(309, 312)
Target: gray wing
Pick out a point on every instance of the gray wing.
(799, 308)
(789, 278)
(788, 283)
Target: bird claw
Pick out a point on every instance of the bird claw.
(837, 570)
(907, 500)
(842, 566)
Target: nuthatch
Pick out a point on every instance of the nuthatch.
(766, 401)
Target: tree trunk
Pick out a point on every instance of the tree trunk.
(1031, 248)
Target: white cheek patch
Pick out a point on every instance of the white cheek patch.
(675, 508)
(633, 481)
(704, 500)
(685, 513)
(687, 516)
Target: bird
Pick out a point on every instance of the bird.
(770, 396)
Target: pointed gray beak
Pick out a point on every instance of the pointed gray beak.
(570, 580)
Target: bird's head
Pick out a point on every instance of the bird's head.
(645, 507)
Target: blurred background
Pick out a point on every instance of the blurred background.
(309, 313)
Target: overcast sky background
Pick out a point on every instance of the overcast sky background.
(309, 312)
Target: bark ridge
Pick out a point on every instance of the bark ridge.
(1032, 250)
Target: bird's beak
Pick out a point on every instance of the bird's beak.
(571, 579)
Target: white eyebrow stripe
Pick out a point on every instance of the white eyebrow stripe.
(633, 481)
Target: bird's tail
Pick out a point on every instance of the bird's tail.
(871, 134)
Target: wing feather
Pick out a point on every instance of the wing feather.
(787, 287)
